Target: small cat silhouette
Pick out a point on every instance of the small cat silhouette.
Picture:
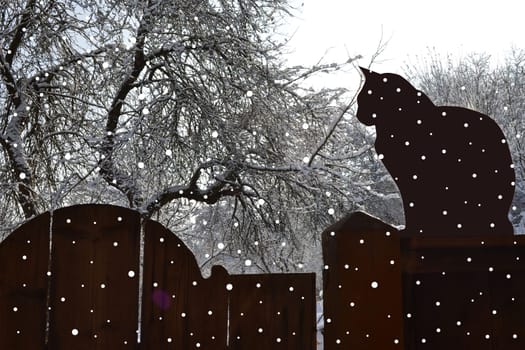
(452, 165)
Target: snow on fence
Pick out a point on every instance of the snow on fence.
(72, 281)
(79, 280)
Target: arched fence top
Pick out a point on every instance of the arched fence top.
(84, 278)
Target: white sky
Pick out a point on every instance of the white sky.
(450, 26)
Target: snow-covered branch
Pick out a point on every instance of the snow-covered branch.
(108, 168)
(17, 109)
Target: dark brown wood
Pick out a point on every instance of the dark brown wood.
(181, 310)
(95, 278)
(464, 293)
(362, 285)
(451, 241)
(272, 311)
(381, 290)
(434, 304)
(83, 289)
(457, 292)
(462, 254)
(24, 257)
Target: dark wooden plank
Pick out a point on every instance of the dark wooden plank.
(272, 311)
(362, 285)
(94, 301)
(181, 310)
(24, 259)
(507, 299)
(450, 241)
(462, 253)
(478, 282)
(447, 311)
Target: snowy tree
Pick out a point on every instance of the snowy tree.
(183, 110)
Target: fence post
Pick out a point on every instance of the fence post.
(362, 285)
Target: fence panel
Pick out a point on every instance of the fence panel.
(465, 293)
(438, 292)
(24, 257)
(84, 289)
(181, 310)
(94, 289)
(272, 311)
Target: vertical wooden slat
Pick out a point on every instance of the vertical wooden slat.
(23, 286)
(95, 273)
(362, 285)
(272, 311)
(507, 291)
(507, 294)
(181, 310)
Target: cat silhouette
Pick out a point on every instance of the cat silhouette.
(452, 165)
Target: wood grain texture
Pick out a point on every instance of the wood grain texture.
(83, 290)
(181, 310)
(93, 299)
(24, 257)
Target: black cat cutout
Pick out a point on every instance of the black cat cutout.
(452, 165)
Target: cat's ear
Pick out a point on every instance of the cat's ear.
(368, 74)
(365, 75)
(365, 72)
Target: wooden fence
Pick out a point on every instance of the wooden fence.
(78, 280)
(384, 291)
